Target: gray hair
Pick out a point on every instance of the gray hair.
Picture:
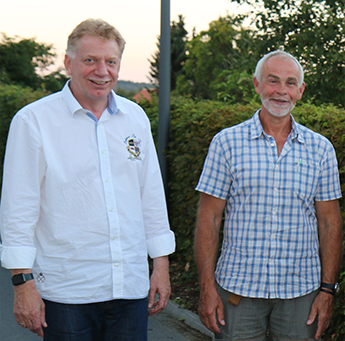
(261, 62)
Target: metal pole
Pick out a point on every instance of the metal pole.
(164, 90)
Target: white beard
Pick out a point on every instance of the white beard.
(278, 111)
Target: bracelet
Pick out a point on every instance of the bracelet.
(327, 291)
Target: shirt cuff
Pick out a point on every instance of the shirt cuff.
(161, 246)
(18, 257)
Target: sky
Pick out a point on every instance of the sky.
(51, 22)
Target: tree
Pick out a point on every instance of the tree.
(178, 53)
(314, 32)
(225, 49)
(22, 58)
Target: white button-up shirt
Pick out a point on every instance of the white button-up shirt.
(82, 200)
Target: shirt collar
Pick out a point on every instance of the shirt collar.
(257, 130)
(74, 106)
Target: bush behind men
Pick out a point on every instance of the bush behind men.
(278, 183)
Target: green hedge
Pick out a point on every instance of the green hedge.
(193, 124)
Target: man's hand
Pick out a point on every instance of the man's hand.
(210, 213)
(159, 284)
(211, 310)
(323, 308)
(29, 309)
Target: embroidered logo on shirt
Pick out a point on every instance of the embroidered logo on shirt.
(133, 147)
(41, 278)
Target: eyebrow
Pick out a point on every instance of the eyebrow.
(288, 79)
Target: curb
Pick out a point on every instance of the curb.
(187, 317)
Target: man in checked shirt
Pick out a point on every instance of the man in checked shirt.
(278, 183)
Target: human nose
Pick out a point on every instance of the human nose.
(282, 89)
(101, 69)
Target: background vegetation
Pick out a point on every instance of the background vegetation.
(193, 124)
(211, 74)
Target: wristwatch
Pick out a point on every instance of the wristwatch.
(332, 288)
(21, 278)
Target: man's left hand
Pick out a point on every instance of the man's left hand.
(159, 284)
(323, 309)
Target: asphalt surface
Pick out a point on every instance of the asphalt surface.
(173, 324)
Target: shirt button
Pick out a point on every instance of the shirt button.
(103, 151)
(272, 144)
(111, 209)
(116, 264)
(113, 238)
(106, 180)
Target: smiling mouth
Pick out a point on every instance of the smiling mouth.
(99, 82)
(279, 101)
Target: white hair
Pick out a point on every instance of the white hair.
(261, 62)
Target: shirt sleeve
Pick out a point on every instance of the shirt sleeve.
(215, 178)
(23, 173)
(329, 183)
(160, 240)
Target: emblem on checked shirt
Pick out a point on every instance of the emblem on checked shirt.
(133, 147)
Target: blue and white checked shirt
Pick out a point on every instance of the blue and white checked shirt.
(270, 247)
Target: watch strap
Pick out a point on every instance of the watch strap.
(327, 285)
(21, 278)
(330, 286)
(327, 291)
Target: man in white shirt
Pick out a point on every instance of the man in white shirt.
(83, 204)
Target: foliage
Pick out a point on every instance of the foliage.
(314, 32)
(237, 87)
(22, 58)
(128, 86)
(128, 94)
(225, 46)
(193, 124)
(178, 53)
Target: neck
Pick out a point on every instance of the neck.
(96, 108)
(275, 126)
(95, 105)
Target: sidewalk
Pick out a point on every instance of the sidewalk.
(173, 324)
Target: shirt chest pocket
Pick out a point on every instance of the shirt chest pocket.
(305, 179)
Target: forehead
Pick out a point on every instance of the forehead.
(94, 45)
(281, 66)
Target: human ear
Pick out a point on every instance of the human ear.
(67, 63)
(256, 85)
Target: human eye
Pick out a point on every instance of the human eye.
(292, 83)
(272, 80)
(88, 60)
(112, 62)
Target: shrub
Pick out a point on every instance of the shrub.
(193, 125)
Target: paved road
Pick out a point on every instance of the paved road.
(173, 324)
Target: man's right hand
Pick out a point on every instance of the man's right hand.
(211, 310)
(29, 308)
